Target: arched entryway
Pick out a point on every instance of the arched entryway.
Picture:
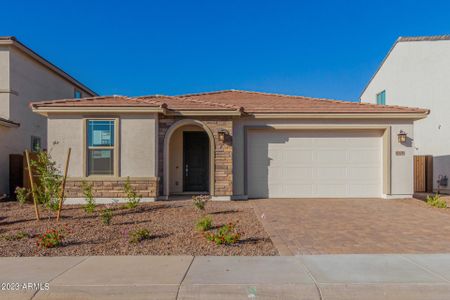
(189, 150)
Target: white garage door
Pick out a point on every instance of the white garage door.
(319, 163)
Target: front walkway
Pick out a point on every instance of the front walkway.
(335, 226)
(185, 277)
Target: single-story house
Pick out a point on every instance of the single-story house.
(233, 145)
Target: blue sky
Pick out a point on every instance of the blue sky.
(314, 48)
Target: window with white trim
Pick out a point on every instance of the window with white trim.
(100, 147)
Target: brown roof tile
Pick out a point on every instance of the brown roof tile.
(233, 100)
(257, 102)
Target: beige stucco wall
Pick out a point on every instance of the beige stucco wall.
(137, 143)
(28, 81)
(401, 166)
(66, 131)
(176, 158)
(417, 74)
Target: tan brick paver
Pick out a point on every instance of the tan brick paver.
(333, 226)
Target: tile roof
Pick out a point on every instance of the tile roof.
(233, 100)
(258, 102)
(103, 101)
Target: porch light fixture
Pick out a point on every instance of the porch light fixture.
(401, 137)
(222, 133)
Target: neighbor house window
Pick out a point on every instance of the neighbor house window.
(100, 147)
(77, 94)
(381, 98)
(35, 143)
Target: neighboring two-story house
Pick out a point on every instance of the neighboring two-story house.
(26, 76)
(416, 72)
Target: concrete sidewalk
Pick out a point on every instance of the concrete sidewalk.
(184, 277)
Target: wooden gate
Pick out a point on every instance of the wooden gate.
(423, 173)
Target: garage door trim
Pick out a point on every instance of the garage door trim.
(386, 145)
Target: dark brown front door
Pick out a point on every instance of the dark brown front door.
(196, 159)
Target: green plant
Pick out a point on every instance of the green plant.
(227, 235)
(200, 201)
(204, 223)
(133, 198)
(17, 236)
(49, 179)
(106, 216)
(89, 207)
(53, 237)
(436, 201)
(22, 195)
(139, 235)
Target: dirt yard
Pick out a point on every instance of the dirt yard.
(171, 225)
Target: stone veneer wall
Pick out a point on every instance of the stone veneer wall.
(113, 188)
(223, 158)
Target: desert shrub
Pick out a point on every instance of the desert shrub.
(227, 235)
(436, 201)
(17, 236)
(49, 179)
(204, 223)
(133, 198)
(200, 201)
(22, 195)
(139, 235)
(106, 216)
(53, 237)
(89, 207)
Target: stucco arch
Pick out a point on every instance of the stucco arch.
(166, 157)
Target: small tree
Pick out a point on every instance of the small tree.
(22, 195)
(89, 207)
(133, 198)
(48, 187)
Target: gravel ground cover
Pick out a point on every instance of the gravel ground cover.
(171, 225)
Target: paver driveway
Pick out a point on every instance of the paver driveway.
(332, 226)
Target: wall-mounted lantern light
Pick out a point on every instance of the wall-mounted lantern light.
(401, 137)
(222, 133)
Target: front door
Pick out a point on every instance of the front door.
(196, 159)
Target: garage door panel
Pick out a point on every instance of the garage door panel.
(331, 189)
(291, 190)
(331, 172)
(365, 156)
(362, 190)
(297, 156)
(364, 173)
(294, 174)
(288, 163)
(331, 156)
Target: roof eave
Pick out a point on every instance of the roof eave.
(8, 123)
(409, 115)
(203, 113)
(96, 109)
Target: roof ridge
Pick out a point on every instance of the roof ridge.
(206, 93)
(225, 105)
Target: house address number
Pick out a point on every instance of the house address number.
(400, 153)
